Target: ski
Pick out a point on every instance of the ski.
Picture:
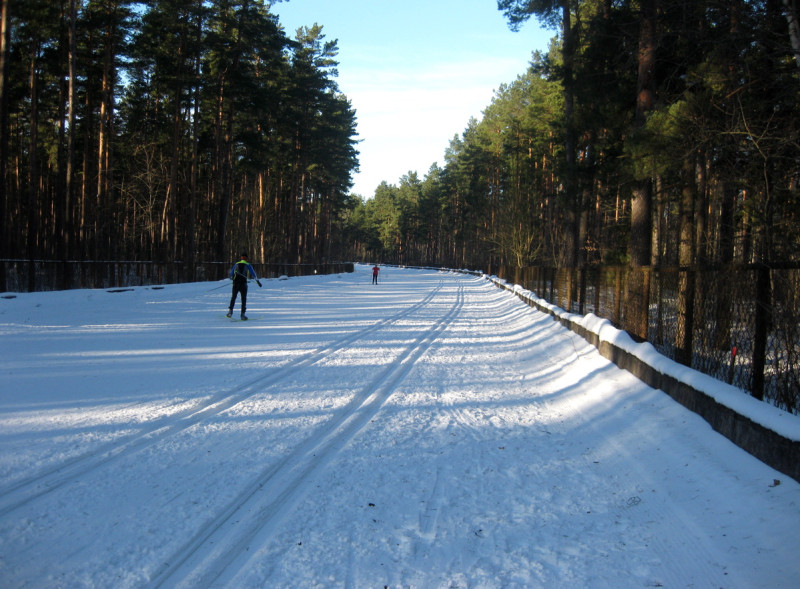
(237, 318)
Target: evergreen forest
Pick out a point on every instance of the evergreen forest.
(168, 130)
(651, 132)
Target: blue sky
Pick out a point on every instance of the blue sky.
(415, 71)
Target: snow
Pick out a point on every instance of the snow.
(782, 422)
(430, 431)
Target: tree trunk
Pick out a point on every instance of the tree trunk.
(221, 176)
(4, 45)
(570, 142)
(71, 115)
(642, 197)
(641, 205)
(191, 209)
(33, 168)
(792, 14)
(103, 210)
(686, 274)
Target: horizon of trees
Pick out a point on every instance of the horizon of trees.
(653, 132)
(168, 130)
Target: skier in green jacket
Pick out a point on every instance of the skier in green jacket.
(241, 272)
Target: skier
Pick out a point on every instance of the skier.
(240, 273)
(375, 271)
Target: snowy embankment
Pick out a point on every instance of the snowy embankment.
(769, 433)
(430, 431)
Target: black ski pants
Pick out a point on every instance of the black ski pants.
(239, 289)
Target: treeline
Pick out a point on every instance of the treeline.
(653, 132)
(168, 130)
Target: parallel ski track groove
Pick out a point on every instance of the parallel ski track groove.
(226, 539)
(27, 490)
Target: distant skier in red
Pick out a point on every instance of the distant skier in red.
(375, 271)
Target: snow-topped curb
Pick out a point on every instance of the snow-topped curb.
(766, 432)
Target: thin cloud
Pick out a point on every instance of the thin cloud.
(415, 72)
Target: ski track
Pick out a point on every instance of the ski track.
(539, 434)
(22, 492)
(523, 469)
(224, 542)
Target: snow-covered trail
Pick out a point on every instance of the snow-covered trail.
(431, 431)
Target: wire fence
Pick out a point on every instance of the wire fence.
(739, 324)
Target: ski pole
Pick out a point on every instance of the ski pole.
(217, 287)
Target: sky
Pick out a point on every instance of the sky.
(416, 72)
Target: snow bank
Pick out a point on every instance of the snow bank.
(765, 431)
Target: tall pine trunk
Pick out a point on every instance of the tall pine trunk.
(105, 124)
(572, 196)
(33, 179)
(686, 259)
(4, 47)
(642, 197)
(191, 209)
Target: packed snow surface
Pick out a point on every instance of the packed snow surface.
(430, 431)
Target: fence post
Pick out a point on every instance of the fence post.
(598, 284)
(637, 303)
(723, 307)
(582, 290)
(762, 320)
(659, 320)
(570, 276)
(684, 336)
(31, 275)
(618, 295)
(645, 317)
